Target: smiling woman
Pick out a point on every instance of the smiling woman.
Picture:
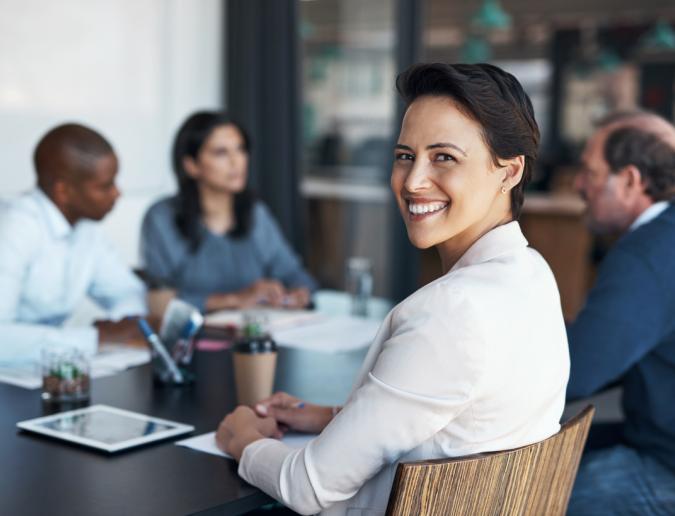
(453, 191)
(473, 362)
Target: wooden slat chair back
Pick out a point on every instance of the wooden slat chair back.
(530, 481)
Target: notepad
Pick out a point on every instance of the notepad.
(331, 335)
(111, 359)
(207, 443)
(275, 319)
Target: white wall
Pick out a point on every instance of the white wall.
(133, 69)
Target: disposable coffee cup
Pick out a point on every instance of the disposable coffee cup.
(255, 360)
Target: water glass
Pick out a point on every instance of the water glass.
(359, 284)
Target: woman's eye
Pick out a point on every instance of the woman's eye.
(404, 156)
(444, 157)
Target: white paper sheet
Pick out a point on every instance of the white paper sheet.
(308, 330)
(331, 335)
(275, 319)
(207, 443)
(111, 359)
(23, 375)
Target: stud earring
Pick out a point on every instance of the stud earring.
(503, 189)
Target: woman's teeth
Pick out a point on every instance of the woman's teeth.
(422, 209)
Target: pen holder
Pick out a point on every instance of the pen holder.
(173, 358)
(162, 376)
(166, 370)
(181, 354)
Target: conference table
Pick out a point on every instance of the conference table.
(39, 475)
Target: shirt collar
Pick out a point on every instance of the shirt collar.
(649, 214)
(56, 221)
(500, 240)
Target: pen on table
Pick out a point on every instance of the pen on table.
(159, 348)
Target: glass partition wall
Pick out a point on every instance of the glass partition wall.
(577, 60)
(348, 108)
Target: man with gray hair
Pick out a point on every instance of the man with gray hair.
(625, 333)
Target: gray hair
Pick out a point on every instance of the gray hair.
(649, 153)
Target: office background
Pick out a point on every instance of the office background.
(313, 82)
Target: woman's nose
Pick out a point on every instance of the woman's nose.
(418, 178)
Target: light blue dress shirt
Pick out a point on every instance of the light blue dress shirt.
(47, 267)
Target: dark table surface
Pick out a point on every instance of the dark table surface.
(39, 475)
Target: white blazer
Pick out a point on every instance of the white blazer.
(475, 361)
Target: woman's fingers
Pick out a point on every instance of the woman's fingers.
(298, 298)
(286, 416)
(267, 426)
(275, 292)
(278, 399)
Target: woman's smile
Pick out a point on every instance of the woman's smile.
(421, 209)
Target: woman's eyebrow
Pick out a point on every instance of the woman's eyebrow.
(443, 145)
(440, 145)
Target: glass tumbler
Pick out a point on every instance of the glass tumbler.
(65, 375)
(359, 284)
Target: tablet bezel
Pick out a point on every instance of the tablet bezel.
(34, 425)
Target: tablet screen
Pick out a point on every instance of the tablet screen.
(105, 427)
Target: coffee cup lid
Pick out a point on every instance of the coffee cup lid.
(264, 345)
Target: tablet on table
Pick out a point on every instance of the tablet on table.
(106, 428)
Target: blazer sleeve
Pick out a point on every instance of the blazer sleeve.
(421, 380)
(622, 320)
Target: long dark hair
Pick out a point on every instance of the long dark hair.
(189, 140)
(492, 97)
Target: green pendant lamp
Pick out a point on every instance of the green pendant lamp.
(660, 37)
(608, 60)
(491, 16)
(476, 50)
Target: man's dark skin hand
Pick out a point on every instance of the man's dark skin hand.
(125, 331)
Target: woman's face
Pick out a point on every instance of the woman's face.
(222, 162)
(444, 180)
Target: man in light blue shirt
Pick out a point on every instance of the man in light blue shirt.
(53, 254)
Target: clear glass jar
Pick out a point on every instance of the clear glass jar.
(65, 375)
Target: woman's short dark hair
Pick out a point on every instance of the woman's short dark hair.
(189, 140)
(490, 96)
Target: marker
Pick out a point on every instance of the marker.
(159, 348)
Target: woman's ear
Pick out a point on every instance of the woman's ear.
(512, 170)
(190, 167)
